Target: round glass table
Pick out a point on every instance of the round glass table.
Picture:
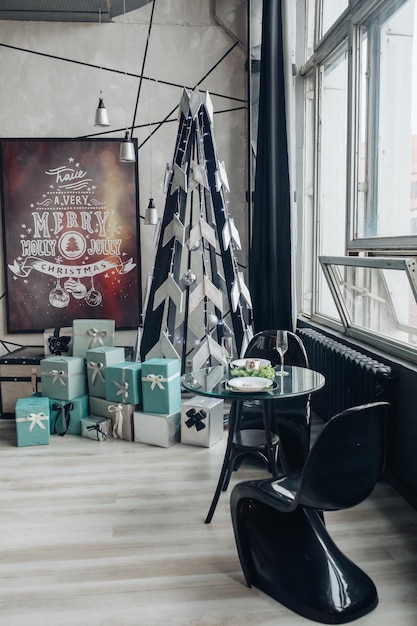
(214, 382)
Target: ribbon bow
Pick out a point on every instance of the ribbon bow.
(36, 418)
(97, 337)
(58, 344)
(123, 389)
(65, 415)
(98, 430)
(155, 380)
(58, 376)
(196, 419)
(97, 370)
(118, 422)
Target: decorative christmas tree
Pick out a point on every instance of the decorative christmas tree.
(197, 293)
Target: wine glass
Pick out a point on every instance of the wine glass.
(227, 345)
(281, 347)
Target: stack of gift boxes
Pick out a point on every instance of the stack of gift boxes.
(97, 394)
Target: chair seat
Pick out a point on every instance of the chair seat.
(253, 439)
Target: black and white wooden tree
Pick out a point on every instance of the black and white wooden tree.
(197, 293)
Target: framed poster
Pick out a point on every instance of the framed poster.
(70, 233)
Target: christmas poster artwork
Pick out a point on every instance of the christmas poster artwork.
(70, 231)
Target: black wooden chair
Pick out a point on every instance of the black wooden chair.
(290, 418)
(282, 542)
(255, 427)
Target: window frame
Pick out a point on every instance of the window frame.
(358, 250)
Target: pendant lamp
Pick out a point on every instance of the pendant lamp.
(101, 118)
(151, 215)
(127, 149)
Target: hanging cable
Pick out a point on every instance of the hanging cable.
(143, 67)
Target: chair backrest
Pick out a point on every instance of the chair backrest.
(346, 460)
(262, 345)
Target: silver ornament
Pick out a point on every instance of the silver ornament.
(189, 277)
(213, 320)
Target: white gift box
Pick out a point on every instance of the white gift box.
(202, 421)
(157, 429)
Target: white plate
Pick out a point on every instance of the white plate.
(250, 383)
(242, 362)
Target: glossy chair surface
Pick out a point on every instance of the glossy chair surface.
(291, 418)
(283, 545)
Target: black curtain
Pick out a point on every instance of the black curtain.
(270, 252)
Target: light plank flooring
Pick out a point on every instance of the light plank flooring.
(112, 534)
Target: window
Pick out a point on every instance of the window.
(375, 294)
(387, 164)
(359, 196)
(330, 12)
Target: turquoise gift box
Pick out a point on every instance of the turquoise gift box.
(121, 415)
(63, 377)
(89, 334)
(161, 386)
(123, 382)
(97, 361)
(66, 415)
(32, 421)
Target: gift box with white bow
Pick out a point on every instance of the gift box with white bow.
(66, 415)
(63, 377)
(97, 361)
(90, 334)
(156, 429)
(32, 421)
(121, 415)
(123, 382)
(202, 421)
(95, 427)
(161, 386)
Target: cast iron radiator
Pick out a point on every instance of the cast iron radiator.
(352, 377)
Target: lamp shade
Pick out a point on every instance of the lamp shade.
(101, 119)
(127, 150)
(151, 215)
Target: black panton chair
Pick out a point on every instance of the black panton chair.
(282, 542)
(291, 417)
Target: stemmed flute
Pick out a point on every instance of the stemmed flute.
(281, 347)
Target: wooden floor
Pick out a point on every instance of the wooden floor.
(112, 534)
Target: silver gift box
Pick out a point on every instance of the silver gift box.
(202, 421)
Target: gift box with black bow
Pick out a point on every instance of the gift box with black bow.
(66, 415)
(95, 427)
(202, 421)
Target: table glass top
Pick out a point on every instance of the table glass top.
(213, 381)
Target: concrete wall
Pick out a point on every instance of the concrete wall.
(51, 78)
